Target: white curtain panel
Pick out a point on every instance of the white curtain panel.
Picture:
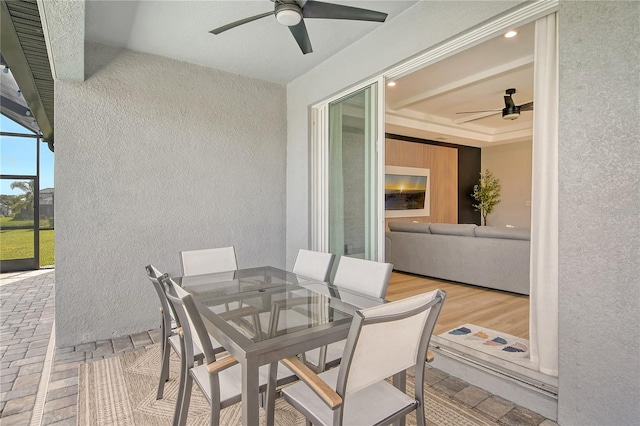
(543, 301)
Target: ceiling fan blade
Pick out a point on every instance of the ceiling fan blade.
(526, 107)
(302, 37)
(477, 112)
(240, 22)
(479, 115)
(508, 102)
(316, 9)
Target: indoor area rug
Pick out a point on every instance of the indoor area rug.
(122, 391)
(490, 342)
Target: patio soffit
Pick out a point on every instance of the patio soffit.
(24, 51)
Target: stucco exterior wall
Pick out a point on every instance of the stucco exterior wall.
(599, 163)
(154, 156)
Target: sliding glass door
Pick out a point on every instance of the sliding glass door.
(352, 176)
(345, 182)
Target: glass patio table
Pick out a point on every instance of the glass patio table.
(262, 315)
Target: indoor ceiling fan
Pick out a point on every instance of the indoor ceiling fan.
(511, 111)
(291, 13)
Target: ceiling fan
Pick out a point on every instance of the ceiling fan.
(291, 13)
(511, 111)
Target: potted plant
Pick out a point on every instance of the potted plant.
(487, 193)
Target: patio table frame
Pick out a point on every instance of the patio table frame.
(268, 351)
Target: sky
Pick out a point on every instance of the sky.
(18, 157)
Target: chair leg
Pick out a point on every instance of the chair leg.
(322, 359)
(215, 416)
(400, 382)
(186, 399)
(164, 368)
(214, 390)
(179, 411)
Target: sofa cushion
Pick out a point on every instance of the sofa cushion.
(463, 230)
(421, 228)
(503, 232)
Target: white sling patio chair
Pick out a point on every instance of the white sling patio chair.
(362, 276)
(357, 392)
(208, 261)
(219, 378)
(313, 264)
(168, 327)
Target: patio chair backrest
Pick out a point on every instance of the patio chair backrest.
(208, 261)
(189, 319)
(364, 276)
(155, 276)
(405, 327)
(313, 264)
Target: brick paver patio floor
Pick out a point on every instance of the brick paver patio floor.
(39, 383)
(26, 355)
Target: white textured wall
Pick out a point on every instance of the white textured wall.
(154, 156)
(599, 274)
(417, 29)
(511, 163)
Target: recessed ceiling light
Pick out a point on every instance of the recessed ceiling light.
(391, 83)
(510, 34)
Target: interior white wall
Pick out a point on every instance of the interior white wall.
(420, 27)
(154, 156)
(599, 245)
(511, 163)
(599, 156)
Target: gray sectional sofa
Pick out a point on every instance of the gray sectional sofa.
(486, 256)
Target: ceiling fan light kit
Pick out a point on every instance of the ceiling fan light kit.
(290, 13)
(510, 115)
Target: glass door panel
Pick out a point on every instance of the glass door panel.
(17, 245)
(46, 205)
(353, 175)
(19, 207)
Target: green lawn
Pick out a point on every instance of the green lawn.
(18, 244)
(8, 221)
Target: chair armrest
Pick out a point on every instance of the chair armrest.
(319, 386)
(223, 364)
(430, 356)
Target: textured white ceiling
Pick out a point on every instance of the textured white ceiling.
(425, 100)
(262, 49)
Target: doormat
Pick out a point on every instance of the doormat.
(490, 342)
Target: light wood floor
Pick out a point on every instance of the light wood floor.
(492, 309)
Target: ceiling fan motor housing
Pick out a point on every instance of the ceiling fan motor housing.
(510, 111)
